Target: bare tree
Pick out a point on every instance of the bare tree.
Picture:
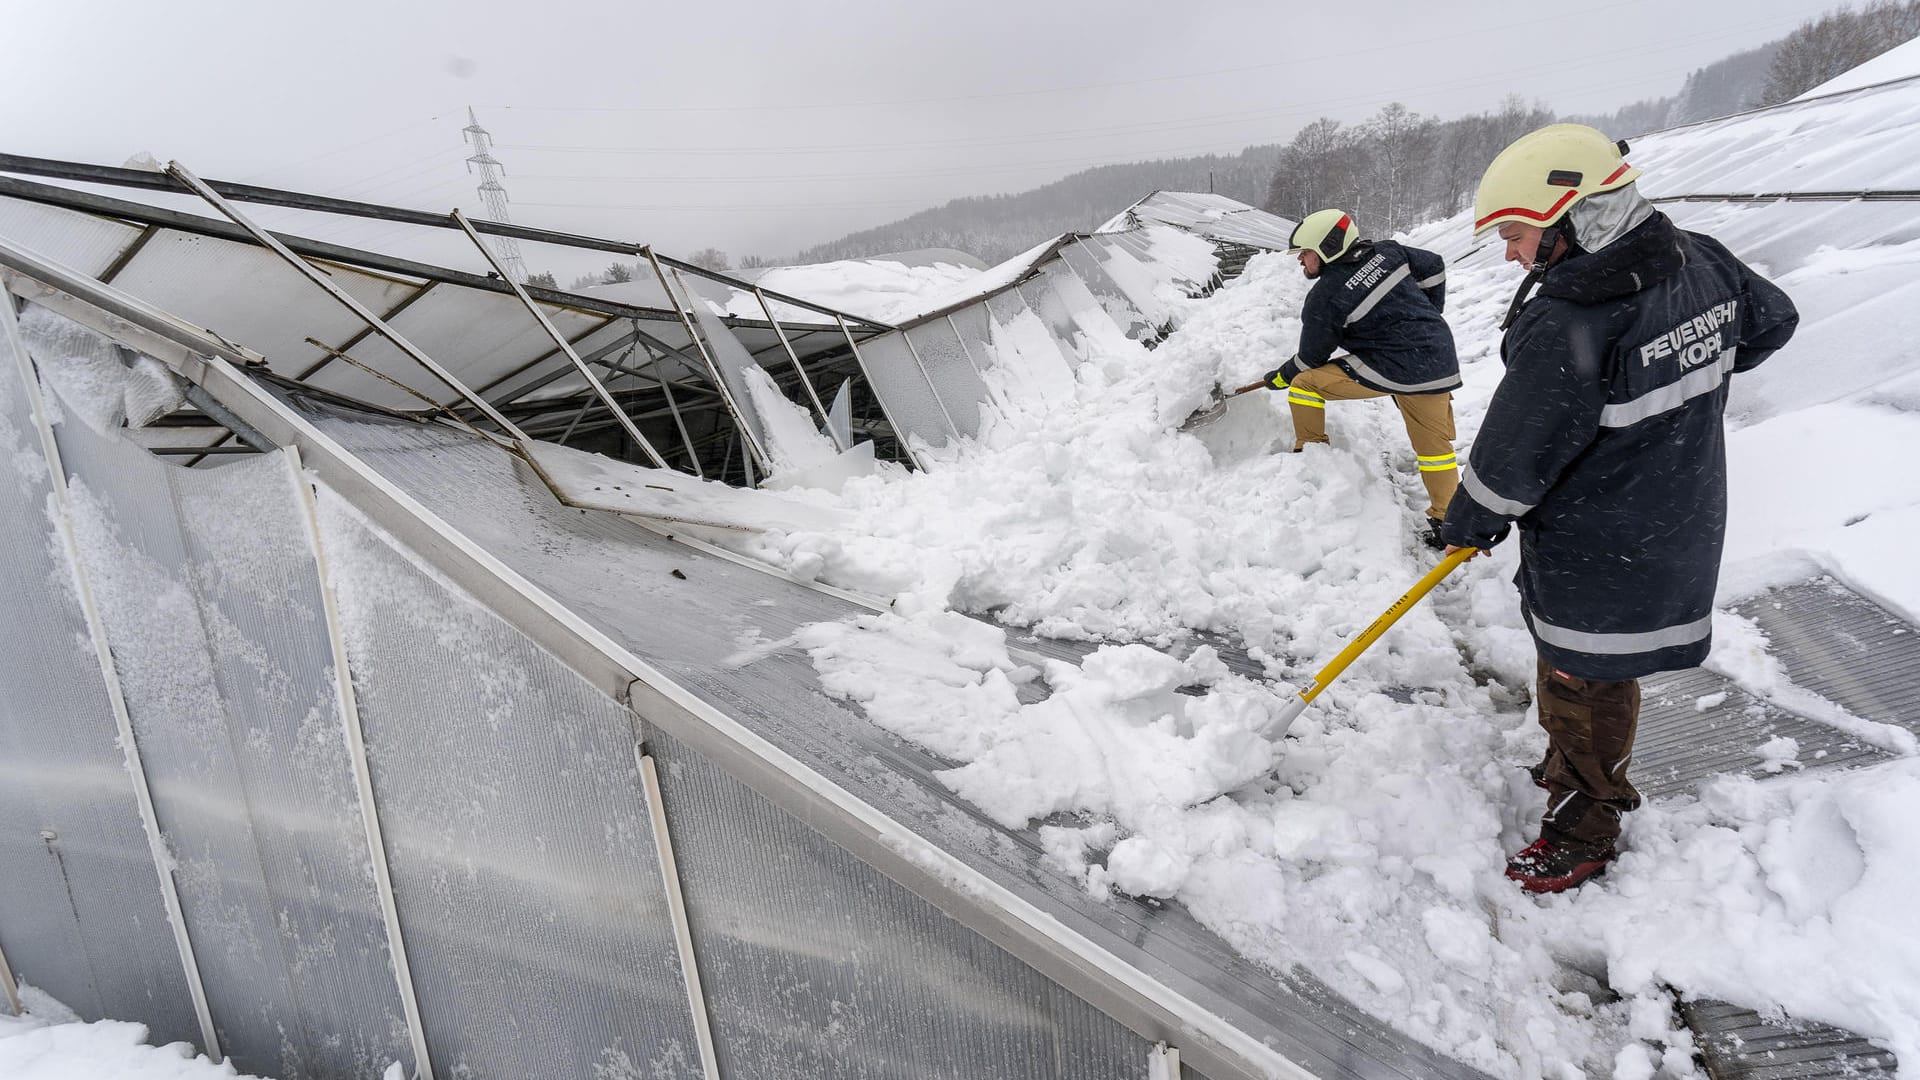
(1402, 142)
(1836, 42)
(1317, 170)
(617, 272)
(709, 259)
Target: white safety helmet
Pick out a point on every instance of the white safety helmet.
(1539, 177)
(1327, 233)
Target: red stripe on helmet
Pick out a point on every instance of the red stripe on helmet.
(1521, 211)
(1616, 174)
(1345, 220)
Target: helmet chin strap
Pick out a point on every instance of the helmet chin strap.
(1542, 255)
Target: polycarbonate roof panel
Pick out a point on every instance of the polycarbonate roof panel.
(479, 336)
(1863, 140)
(1089, 268)
(1859, 298)
(732, 361)
(805, 341)
(77, 241)
(1215, 217)
(721, 297)
(612, 334)
(252, 297)
(1780, 237)
(904, 391)
(725, 299)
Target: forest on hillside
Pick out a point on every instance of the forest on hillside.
(1400, 168)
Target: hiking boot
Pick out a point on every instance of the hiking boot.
(1551, 865)
(1431, 537)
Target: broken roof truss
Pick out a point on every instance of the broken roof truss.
(661, 383)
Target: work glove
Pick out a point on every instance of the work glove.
(1275, 379)
(1458, 537)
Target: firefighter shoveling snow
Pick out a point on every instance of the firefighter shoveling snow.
(1368, 844)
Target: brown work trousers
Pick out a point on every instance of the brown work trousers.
(1590, 725)
(1429, 420)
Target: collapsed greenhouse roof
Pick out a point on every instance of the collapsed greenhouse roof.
(948, 942)
(674, 347)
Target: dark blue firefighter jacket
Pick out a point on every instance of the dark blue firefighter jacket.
(1604, 441)
(1381, 302)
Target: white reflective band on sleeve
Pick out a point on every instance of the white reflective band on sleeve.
(1622, 644)
(1669, 397)
(1484, 495)
(1360, 368)
(1428, 283)
(1380, 290)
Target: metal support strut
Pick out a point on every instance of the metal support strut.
(307, 270)
(599, 388)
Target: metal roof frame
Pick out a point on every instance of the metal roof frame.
(830, 345)
(116, 176)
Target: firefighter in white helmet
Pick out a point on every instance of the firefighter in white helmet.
(1380, 302)
(1604, 443)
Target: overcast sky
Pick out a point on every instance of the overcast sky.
(761, 127)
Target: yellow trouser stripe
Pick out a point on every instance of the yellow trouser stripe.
(1437, 462)
(1307, 398)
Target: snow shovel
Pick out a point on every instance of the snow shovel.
(1371, 634)
(1218, 408)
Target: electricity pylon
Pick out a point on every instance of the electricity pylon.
(493, 195)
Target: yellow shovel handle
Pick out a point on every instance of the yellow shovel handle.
(1387, 618)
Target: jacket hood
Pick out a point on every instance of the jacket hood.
(1599, 220)
(1648, 254)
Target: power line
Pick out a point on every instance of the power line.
(1205, 120)
(1584, 13)
(343, 149)
(735, 208)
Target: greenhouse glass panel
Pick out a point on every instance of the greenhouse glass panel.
(518, 835)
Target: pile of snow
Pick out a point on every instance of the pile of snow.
(1369, 844)
(49, 1042)
(880, 289)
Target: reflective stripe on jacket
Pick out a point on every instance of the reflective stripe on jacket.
(1381, 302)
(1604, 441)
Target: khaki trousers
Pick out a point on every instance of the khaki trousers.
(1429, 420)
(1590, 726)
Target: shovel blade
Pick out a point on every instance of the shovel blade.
(1203, 417)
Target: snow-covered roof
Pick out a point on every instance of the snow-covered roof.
(1215, 217)
(1899, 62)
(1028, 322)
(1856, 140)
